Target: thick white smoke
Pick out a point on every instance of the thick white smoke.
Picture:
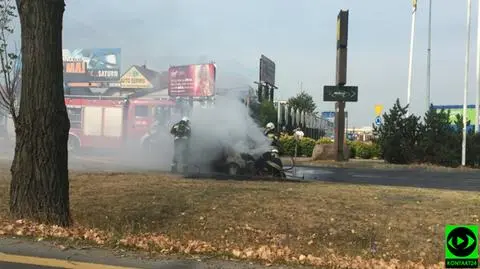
(227, 123)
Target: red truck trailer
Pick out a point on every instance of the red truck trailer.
(112, 122)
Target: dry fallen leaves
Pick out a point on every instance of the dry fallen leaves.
(163, 244)
(277, 254)
(26, 228)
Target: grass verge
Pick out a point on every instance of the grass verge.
(376, 164)
(321, 224)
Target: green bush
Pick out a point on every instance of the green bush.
(288, 145)
(403, 139)
(364, 150)
(305, 146)
(325, 140)
(353, 145)
(398, 135)
(439, 140)
(263, 112)
(473, 152)
(376, 151)
(353, 148)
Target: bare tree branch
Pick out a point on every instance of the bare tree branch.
(9, 69)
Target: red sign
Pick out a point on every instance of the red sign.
(192, 80)
(77, 67)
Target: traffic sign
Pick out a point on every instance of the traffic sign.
(378, 120)
(378, 110)
(340, 93)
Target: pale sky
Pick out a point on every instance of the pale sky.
(299, 36)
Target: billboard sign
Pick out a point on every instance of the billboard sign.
(133, 79)
(455, 112)
(99, 64)
(458, 110)
(267, 70)
(329, 116)
(195, 80)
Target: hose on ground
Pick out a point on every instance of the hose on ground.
(293, 165)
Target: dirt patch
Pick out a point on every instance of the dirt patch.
(317, 219)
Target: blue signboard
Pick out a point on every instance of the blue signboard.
(378, 120)
(329, 115)
(101, 64)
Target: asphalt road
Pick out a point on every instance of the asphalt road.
(416, 177)
(419, 178)
(411, 177)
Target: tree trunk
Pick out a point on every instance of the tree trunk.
(39, 188)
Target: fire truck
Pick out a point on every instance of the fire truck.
(113, 122)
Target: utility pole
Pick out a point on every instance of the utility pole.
(340, 94)
(341, 80)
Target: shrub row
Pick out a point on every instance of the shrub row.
(362, 150)
(404, 139)
(304, 148)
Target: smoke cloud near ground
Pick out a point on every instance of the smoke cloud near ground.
(133, 157)
(99, 159)
(226, 124)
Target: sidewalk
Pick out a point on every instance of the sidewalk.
(24, 253)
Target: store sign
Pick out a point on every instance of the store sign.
(75, 67)
(134, 80)
(108, 74)
(97, 64)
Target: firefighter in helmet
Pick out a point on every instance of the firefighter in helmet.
(181, 132)
(270, 133)
(269, 130)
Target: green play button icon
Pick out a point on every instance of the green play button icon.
(461, 248)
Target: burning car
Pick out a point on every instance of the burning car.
(233, 162)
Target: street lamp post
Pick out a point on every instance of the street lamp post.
(410, 60)
(429, 54)
(477, 99)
